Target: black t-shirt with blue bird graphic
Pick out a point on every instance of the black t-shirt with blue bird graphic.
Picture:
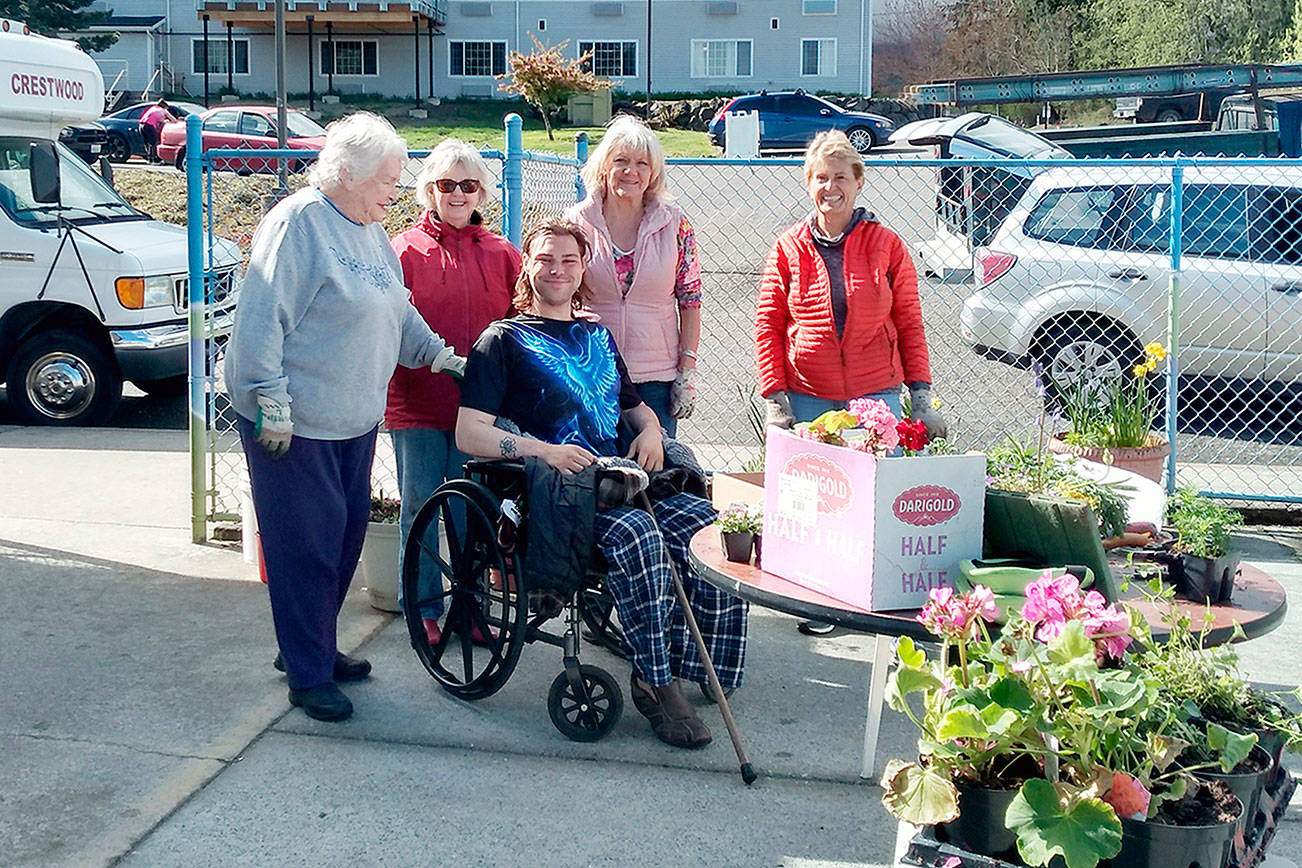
(560, 381)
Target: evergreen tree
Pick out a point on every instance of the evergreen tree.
(58, 17)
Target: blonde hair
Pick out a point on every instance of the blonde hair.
(446, 156)
(524, 292)
(628, 132)
(832, 145)
(359, 142)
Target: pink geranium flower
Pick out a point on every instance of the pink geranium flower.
(1052, 601)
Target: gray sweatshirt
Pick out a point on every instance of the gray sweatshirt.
(322, 321)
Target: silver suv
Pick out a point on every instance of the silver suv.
(1079, 273)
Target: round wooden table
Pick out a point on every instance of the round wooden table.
(1257, 607)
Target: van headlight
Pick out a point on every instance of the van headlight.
(135, 293)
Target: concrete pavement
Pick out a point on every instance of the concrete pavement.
(142, 723)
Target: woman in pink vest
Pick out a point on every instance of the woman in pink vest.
(645, 274)
(461, 278)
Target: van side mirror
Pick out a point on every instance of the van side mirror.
(43, 172)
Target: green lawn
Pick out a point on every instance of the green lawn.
(480, 123)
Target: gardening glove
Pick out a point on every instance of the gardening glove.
(923, 410)
(778, 410)
(273, 428)
(448, 360)
(682, 394)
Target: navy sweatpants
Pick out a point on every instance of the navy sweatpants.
(312, 505)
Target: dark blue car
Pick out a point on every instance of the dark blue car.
(123, 126)
(790, 119)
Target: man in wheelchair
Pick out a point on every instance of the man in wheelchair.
(557, 375)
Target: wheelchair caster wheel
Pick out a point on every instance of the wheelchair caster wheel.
(585, 717)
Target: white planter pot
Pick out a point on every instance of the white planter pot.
(378, 568)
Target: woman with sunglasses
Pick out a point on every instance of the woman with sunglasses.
(461, 278)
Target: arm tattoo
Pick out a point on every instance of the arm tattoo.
(508, 447)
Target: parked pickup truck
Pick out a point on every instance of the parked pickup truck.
(1174, 107)
(1235, 132)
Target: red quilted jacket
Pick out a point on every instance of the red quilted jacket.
(460, 280)
(883, 344)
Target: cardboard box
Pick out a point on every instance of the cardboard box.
(730, 488)
(877, 533)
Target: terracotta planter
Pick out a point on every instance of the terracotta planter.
(1147, 461)
(378, 567)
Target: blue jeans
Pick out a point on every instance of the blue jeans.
(807, 408)
(426, 457)
(656, 395)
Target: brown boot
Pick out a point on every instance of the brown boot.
(673, 719)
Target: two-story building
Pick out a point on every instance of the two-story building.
(454, 48)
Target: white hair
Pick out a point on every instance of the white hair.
(629, 132)
(445, 157)
(360, 143)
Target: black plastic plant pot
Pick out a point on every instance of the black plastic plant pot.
(1145, 844)
(758, 540)
(1206, 579)
(1246, 785)
(737, 546)
(979, 827)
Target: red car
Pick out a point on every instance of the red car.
(244, 126)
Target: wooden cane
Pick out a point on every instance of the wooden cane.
(747, 770)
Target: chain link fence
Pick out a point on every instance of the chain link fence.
(1034, 278)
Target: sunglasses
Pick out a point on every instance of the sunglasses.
(447, 185)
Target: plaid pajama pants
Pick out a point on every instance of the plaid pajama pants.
(655, 632)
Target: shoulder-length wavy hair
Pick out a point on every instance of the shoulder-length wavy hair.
(631, 133)
(524, 292)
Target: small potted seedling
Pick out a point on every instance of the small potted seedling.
(738, 525)
(1205, 567)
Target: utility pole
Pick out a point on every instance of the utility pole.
(648, 61)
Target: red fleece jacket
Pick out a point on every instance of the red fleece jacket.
(460, 280)
(883, 343)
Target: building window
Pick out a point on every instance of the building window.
(477, 58)
(351, 57)
(818, 57)
(721, 58)
(217, 56)
(818, 7)
(542, 24)
(773, 24)
(611, 59)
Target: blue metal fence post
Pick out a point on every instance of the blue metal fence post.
(195, 297)
(580, 154)
(513, 178)
(1173, 320)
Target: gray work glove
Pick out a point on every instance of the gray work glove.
(778, 410)
(448, 360)
(273, 428)
(682, 394)
(923, 410)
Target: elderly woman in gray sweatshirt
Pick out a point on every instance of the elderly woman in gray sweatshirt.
(322, 322)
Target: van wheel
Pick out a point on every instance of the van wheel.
(861, 139)
(62, 378)
(1093, 354)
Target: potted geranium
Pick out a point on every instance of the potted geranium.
(1112, 420)
(738, 526)
(378, 566)
(1204, 567)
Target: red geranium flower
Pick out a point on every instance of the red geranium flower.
(913, 434)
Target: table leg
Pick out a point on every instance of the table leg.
(883, 652)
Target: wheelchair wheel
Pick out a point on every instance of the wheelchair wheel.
(483, 621)
(588, 710)
(597, 609)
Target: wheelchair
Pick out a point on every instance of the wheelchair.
(490, 609)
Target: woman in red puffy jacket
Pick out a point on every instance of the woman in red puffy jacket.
(461, 278)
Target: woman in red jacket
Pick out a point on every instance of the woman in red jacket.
(461, 278)
(838, 316)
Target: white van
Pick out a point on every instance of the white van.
(92, 291)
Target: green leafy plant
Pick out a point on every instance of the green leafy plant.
(738, 518)
(1016, 466)
(385, 509)
(1202, 525)
(1117, 412)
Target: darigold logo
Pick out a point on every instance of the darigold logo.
(835, 490)
(926, 505)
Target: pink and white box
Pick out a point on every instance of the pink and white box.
(877, 533)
